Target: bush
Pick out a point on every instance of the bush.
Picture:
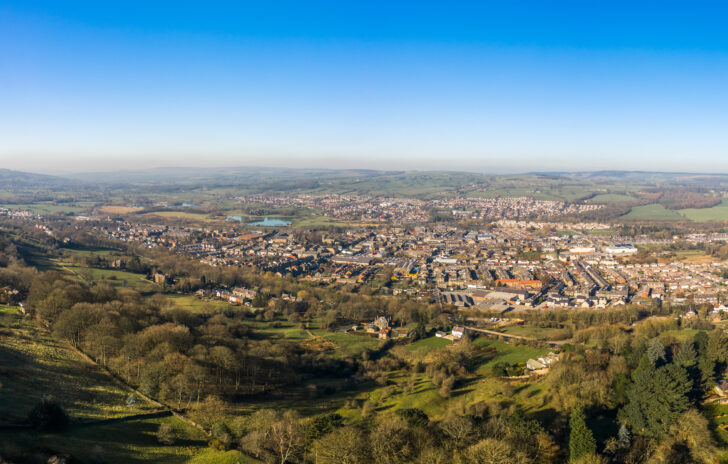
(414, 417)
(222, 434)
(446, 387)
(323, 425)
(48, 416)
(165, 434)
(499, 369)
(217, 445)
(367, 409)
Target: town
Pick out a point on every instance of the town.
(512, 265)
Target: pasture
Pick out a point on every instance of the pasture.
(716, 213)
(506, 353)
(539, 333)
(50, 207)
(202, 306)
(346, 344)
(406, 391)
(653, 212)
(611, 198)
(428, 344)
(185, 215)
(113, 277)
(117, 209)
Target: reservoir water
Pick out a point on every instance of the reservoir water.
(261, 221)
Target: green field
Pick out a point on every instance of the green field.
(183, 215)
(611, 198)
(201, 306)
(346, 344)
(660, 213)
(209, 456)
(33, 365)
(106, 253)
(600, 232)
(716, 213)
(531, 395)
(478, 386)
(113, 277)
(680, 335)
(653, 212)
(507, 353)
(52, 208)
(430, 343)
(516, 192)
(539, 333)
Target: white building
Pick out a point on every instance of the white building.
(621, 249)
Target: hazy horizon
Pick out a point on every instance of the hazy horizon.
(495, 88)
(74, 173)
(83, 167)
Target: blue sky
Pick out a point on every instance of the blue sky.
(483, 86)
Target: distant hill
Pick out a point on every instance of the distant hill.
(263, 175)
(607, 186)
(280, 180)
(222, 175)
(20, 179)
(677, 178)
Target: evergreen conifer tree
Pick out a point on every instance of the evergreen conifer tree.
(581, 438)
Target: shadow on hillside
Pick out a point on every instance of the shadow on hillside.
(130, 441)
(27, 376)
(17, 387)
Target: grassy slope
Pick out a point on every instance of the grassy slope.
(113, 277)
(507, 353)
(346, 344)
(215, 457)
(129, 442)
(32, 365)
(480, 386)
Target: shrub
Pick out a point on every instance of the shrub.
(48, 416)
(414, 417)
(165, 434)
